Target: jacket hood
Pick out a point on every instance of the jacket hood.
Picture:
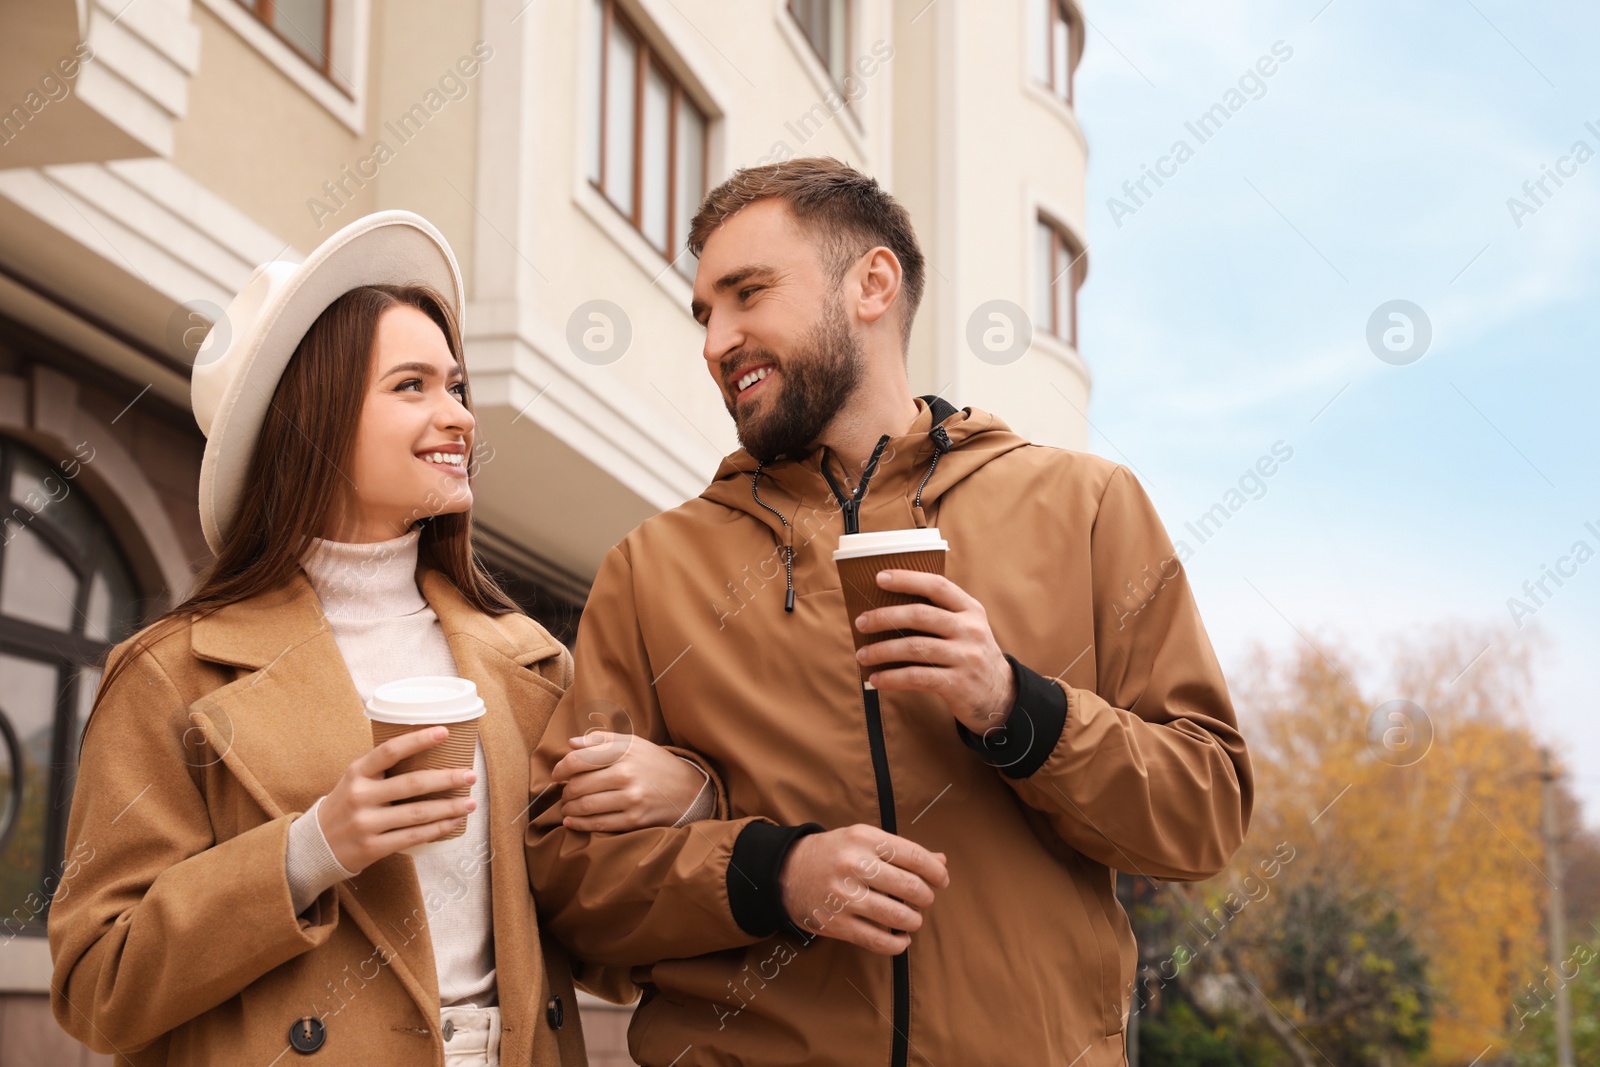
(942, 447)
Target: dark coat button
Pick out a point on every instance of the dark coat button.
(307, 1035)
(553, 1013)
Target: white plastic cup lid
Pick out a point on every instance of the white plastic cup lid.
(883, 542)
(425, 700)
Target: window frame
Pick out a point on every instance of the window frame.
(344, 93)
(1061, 11)
(71, 653)
(847, 46)
(262, 11)
(647, 57)
(1064, 267)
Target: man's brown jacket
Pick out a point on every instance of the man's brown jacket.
(1122, 754)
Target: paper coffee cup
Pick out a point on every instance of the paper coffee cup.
(417, 703)
(861, 556)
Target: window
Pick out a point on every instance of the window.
(1058, 273)
(826, 24)
(304, 25)
(648, 152)
(1053, 45)
(65, 598)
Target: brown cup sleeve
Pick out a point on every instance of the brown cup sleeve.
(455, 751)
(858, 579)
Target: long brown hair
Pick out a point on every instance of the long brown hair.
(297, 476)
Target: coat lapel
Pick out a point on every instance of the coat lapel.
(290, 726)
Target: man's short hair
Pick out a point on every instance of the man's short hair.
(845, 211)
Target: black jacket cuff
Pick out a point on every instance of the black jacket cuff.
(1020, 746)
(754, 893)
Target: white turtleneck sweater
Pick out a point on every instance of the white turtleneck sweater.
(385, 631)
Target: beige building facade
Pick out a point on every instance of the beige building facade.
(154, 152)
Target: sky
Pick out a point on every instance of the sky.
(1227, 312)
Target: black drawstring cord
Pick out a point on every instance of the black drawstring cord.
(851, 505)
(788, 562)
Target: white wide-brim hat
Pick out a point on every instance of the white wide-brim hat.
(237, 367)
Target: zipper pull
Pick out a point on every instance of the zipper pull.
(851, 509)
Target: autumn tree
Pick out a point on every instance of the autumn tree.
(1409, 794)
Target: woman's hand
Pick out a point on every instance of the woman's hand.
(363, 826)
(623, 782)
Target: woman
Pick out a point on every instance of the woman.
(239, 889)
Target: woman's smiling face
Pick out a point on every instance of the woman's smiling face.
(414, 441)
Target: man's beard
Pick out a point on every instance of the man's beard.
(816, 381)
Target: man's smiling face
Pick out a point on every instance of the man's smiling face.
(778, 341)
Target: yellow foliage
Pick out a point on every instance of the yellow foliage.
(1447, 830)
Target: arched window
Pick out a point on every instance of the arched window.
(66, 596)
(1058, 272)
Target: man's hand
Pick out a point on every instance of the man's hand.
(861, 885)
(955, 653)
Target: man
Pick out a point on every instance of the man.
(920, 872)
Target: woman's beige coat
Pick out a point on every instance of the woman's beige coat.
(173, 935)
